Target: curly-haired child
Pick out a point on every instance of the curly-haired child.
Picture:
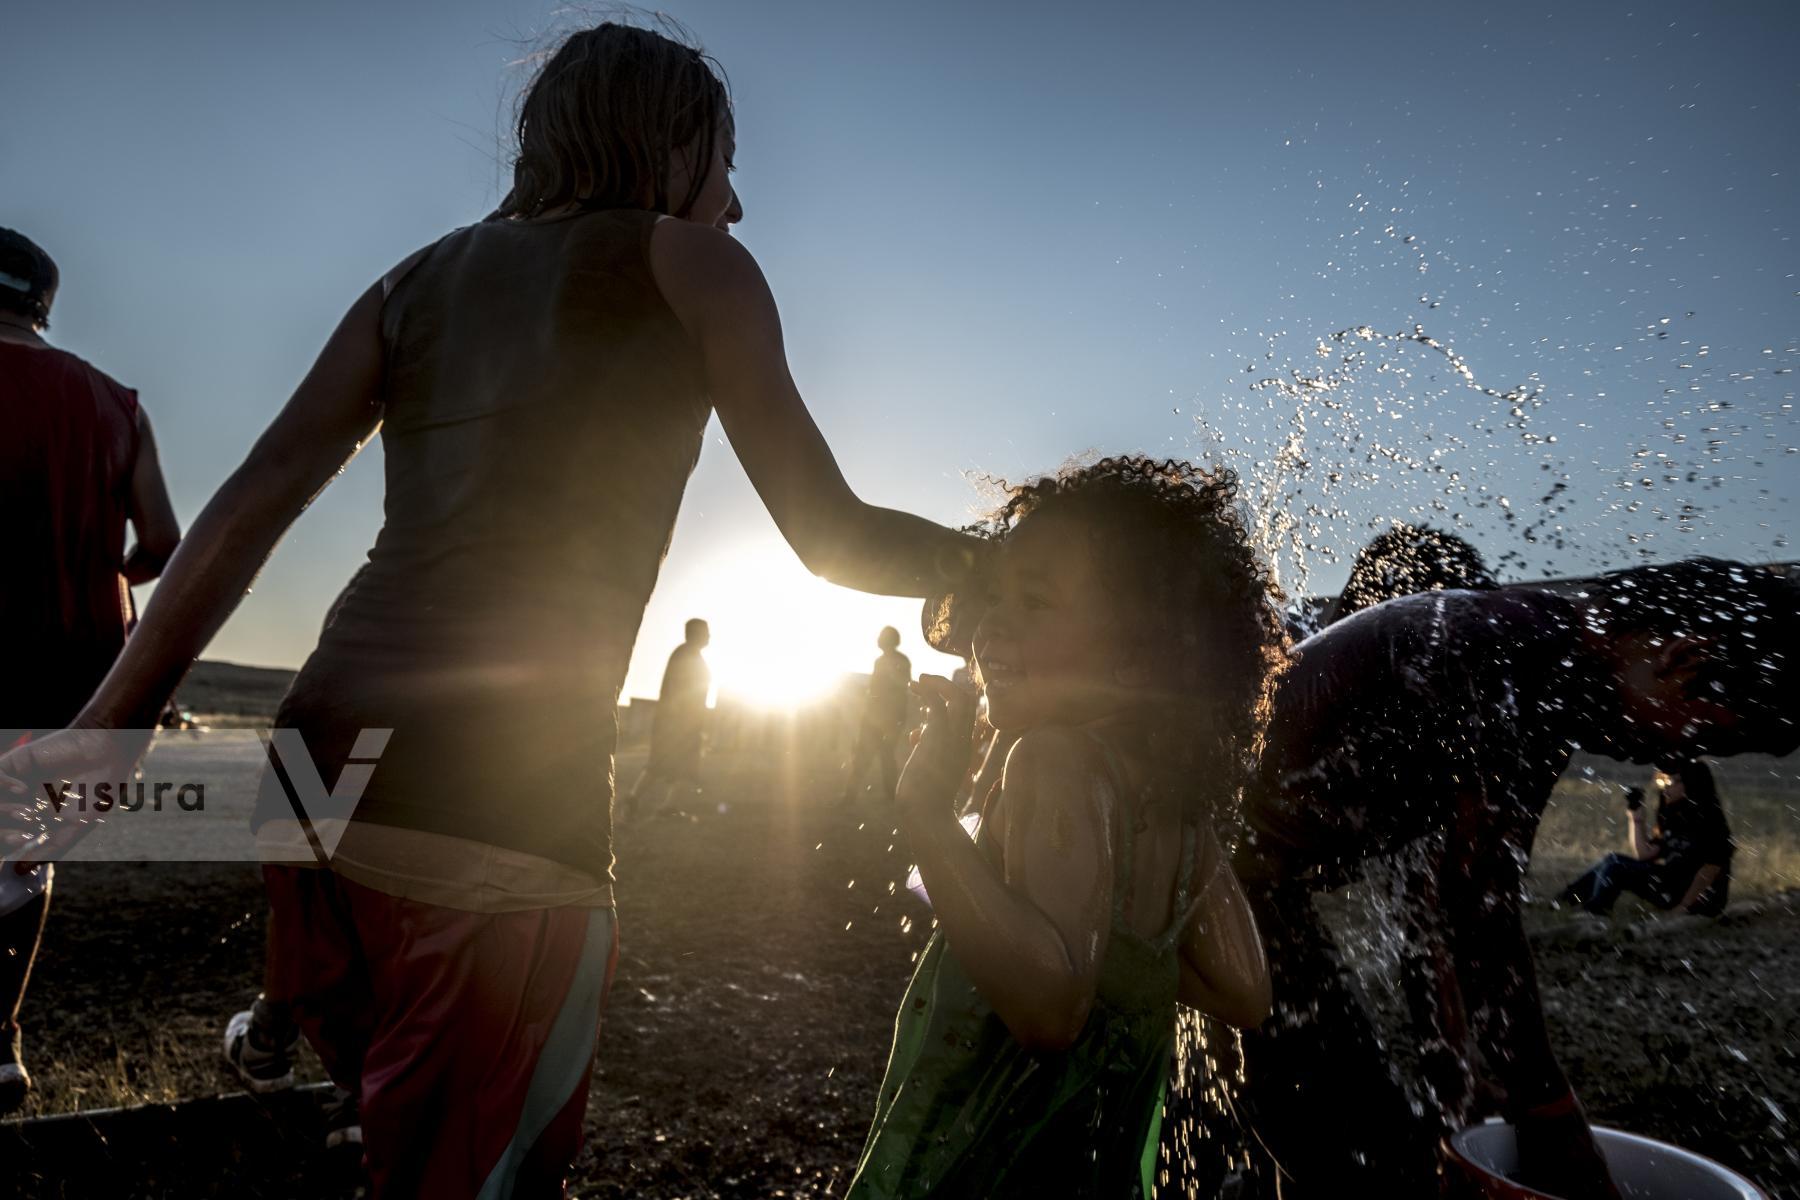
(1127, 634)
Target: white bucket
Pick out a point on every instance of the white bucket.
(1643, 1169)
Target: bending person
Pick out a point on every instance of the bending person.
(1401, 560)
(1438, 724)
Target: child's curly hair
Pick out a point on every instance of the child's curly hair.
(1197, 605)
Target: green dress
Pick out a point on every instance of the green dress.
(965, 1111)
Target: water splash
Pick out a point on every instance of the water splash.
(1363, 430)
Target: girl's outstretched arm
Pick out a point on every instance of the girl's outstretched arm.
(1031, 939)
(336, 408)
(1224, 972)
(717, 291)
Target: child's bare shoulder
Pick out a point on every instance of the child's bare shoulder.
(1057, 798)
(1058, 755)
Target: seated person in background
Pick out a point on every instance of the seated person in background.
(1684, 862)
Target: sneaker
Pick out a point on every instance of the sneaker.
(343, 1120)
(15, 1085)
(261, 1069)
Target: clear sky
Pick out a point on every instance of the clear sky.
(1002, 234)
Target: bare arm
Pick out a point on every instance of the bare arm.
(1703, 879)
(992, 764)
(1643, 846)
(152, 516)
(1031, 938)
(717, 291)
(334, 411)
(1224, 972)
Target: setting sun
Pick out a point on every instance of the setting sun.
(781, 636)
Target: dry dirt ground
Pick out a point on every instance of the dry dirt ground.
(764, 947)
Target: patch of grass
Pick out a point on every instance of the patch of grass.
(138, 1059)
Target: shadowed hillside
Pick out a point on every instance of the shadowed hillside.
(222, 687)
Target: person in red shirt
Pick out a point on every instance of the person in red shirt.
(77, 465)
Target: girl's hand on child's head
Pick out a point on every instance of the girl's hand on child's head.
(940, 759)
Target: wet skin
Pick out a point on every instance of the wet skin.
(1441, 724)
(1028, 911)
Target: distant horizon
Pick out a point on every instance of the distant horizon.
(1790, 567)
(624, 698)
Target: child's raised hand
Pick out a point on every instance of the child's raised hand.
(940, 759)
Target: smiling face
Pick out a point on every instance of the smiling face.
(1046, 650)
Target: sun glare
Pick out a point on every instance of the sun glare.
(782, 637)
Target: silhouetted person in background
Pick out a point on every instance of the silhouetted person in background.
(1407, 560)
(678, 730)
(1439, 724)
(883, 721)
(1402, 560)
(77, 465)
(1685, 862)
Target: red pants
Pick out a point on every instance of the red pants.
(468, 1037)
